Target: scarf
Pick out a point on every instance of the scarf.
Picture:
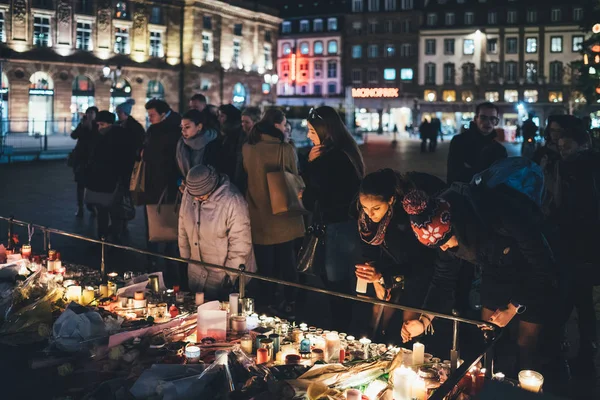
(373, 233)
(190, 152)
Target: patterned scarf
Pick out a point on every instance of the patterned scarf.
(371, 232)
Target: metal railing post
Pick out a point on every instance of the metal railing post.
(455, 353)
(45, 136)
(102, 267)
(65, 127)
(242, 282)
(488, 357)
(9, 242)
(46, 241)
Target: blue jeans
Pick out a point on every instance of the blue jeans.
(342, 250)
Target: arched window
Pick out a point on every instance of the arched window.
(82, 97)
(119, 93)
(304, 48)
(41, 103)
(155, 90)
(240, 98)
(318, 47)
(332, 47)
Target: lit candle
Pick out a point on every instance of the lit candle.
(419, 389)
(50, 265)
(26, 251)
(246, 344)
(139, 295)
(112, 288)
(531, 381)
(199, 298)
(88, 296)
(112, 275)
(418, 354)
(499, 376)
(403, 380)
(234, 303)
(103, 291)
(262, 356)
(74, 293)
(333, 347)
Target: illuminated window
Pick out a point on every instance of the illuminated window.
(492, 96)
(467, 96)
(121, 10)
(531, 74)
(555, 97)
(531, 45)
(469, 47)
(357, 51)
(449, 95)
(577, 44)
(531, 96)
(556, 44)
(318, 25)
(304, 48)
(332, 24)
(41, 32)
(511, 96)
(406, 74)
(578, 97)
(207, 53)
(389, 74)
(318, 47)
(121, 40)
(390, 50)
(286, 49)
(83, 39)
(156, 47)
(430, 95)
(332, 47)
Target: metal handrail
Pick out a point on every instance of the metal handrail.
(242, 272)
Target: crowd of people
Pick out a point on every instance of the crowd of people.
(418, 240)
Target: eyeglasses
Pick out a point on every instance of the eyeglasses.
(313, 114)
(493, 120)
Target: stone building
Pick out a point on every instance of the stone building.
(61, 56)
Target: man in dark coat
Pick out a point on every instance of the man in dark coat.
(85, 134)
(476, 149)
(162, 173)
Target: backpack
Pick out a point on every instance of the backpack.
(518, 173)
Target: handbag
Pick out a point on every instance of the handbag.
(311, 258)
(284, 188)
(163, 220)
(123, 208)
(101, 199)
(137, 182)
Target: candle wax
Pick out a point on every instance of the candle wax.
(418, 354)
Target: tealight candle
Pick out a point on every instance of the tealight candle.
(531, 381)
(192, 353)
(103, 291)
(498, 376)
(88, 296)
(112, 275)
(418, 354)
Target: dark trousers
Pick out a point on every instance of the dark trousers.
(103, 219)
(579, 295)
(276, 261)
(80, 192)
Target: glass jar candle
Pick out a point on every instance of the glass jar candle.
(246, 344)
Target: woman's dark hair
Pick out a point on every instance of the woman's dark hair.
(332, 132)
(565, 122)
(197, 117)
(267, 125)
(160, 106)
(234, 115)
(385, 183)
(92, 108)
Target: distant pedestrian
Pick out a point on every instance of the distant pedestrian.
(85, 134)
(250, 116)
(199, 102)
(425, 133)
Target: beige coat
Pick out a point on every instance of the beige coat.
(259, 159)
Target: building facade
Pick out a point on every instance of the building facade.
(309, 56)
(381, 61)
(518, 55)
(61, 56)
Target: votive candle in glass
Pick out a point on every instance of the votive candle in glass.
(531, 381)
(262, 356)
(88, 296)
(26, 251)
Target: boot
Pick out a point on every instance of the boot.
(79, 213)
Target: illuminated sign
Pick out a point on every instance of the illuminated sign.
(376, 92)
(293, 67)
(3, 90)
(596, 28)
(41, 92)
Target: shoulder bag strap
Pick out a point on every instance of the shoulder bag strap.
(163, 195)
(281, 164)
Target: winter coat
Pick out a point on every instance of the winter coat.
(225, 153)
(159, 156)
(470, 153)
(506, 242)
(109, 161)
(215, 231)
(133, 133)
(260, 158)
(190, 152)
(577, 206)
(80, 156)
(332, 182)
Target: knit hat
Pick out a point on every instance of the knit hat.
(429, 218)
(201, 180)
(126, 106)
(105, 116)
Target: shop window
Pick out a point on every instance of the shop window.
(82, 97)
(555, 97)
(449, 95)
(578, 97)
(531, 96)
(511, 96)
(492, 96)
(430, 95)
(467, 96)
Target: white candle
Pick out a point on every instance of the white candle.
(103, 291)
(139, 295)
(353, 394)
(419, 389)
(531, 381)
(88, 296)
(50, 265)
(57, 265)
(403, 380)
(74, 293)
(333, 347)
(418, 354)
(361, 286)
(199, 298)
(234, 303)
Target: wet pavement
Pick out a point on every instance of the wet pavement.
(43, 192)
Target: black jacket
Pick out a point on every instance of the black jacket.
(402, 256)
(134, 138)
(506, 242)
(160, 159)
(109, 161)
(225, 154)
(80, 156)
(470, 153)
(332, 181)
